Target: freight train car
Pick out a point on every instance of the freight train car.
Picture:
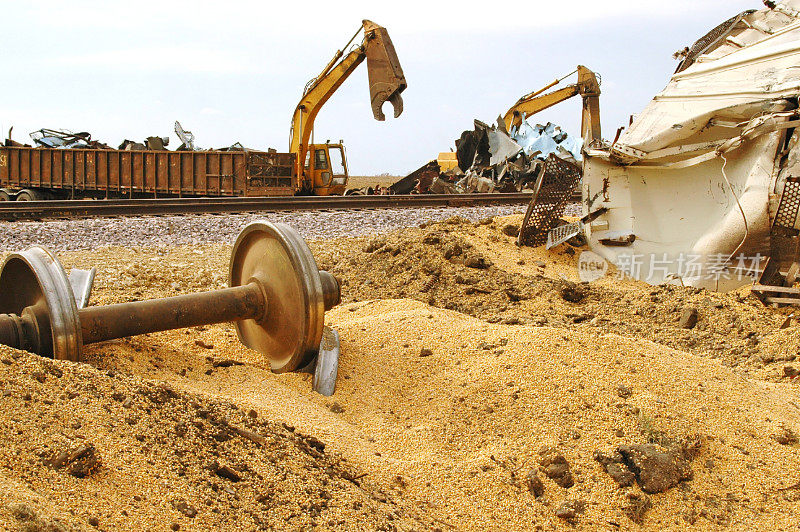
(28, 174)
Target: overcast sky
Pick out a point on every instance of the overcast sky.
(234, 71)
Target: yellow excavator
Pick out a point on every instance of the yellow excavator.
(587, 86)
(322, 168)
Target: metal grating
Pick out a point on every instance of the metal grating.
(562, 233)
(559, 180)
(705, 43)
(786, 217)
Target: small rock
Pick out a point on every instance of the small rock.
(226, 472)
(476, 261)
(201, 343)
(432, 239)
(540, 264)
(510, 230)
(336, 408)
(569, 509)
(635, 506)
(535, 484)
(688, 318)
(82, 461)
(623, 391)
(452, 250)
(425, 352)
(252, 414)
(185, 508)
(572, 292)
(656, 470)
(93, 521)
(556, 467)
(623, 476)
(785, 437)
(790, 371)
(226, 363)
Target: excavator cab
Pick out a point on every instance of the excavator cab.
(326, 168)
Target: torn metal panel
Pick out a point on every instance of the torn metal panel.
(693, 186)
(543, 140)
(501, 146)
(420, 179)
(63, 138)
(186, 138)
(157, 143)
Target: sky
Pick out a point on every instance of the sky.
(234, 71)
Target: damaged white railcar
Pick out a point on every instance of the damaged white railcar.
(706, 180)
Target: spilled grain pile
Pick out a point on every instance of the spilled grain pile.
(480, 387)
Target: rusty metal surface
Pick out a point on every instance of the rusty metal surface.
(123, 173)
(386, 79)
(291, 331)
(278, 298)
(99, 324)
(35, 289)
(558, 182)
(786, 216)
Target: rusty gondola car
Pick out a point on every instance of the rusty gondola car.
(45, 173)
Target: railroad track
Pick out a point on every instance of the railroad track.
(39, 210)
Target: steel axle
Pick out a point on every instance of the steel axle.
(277, 299)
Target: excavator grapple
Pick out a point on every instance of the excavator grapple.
(386, 79)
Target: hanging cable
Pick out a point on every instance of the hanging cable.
(744, 218)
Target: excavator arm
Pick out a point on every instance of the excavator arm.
(386, 82)
(587, 86)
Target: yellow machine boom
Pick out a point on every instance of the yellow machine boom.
(587, 86)
(386, 82)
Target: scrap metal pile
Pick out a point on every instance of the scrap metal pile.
(69, 140)
(492, 159)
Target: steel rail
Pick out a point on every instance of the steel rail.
(40, 210)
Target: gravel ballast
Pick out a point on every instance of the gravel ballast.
(69, 235)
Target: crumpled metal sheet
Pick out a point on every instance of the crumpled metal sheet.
(543, 140)
(696, 178)
(501, 146)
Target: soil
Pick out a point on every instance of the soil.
(480, 387)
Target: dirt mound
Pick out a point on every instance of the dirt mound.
(493, 403)
(480, 386)
(87, 448)
(478, 270)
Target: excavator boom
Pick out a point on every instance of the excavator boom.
(587, 86)
(386, 82)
